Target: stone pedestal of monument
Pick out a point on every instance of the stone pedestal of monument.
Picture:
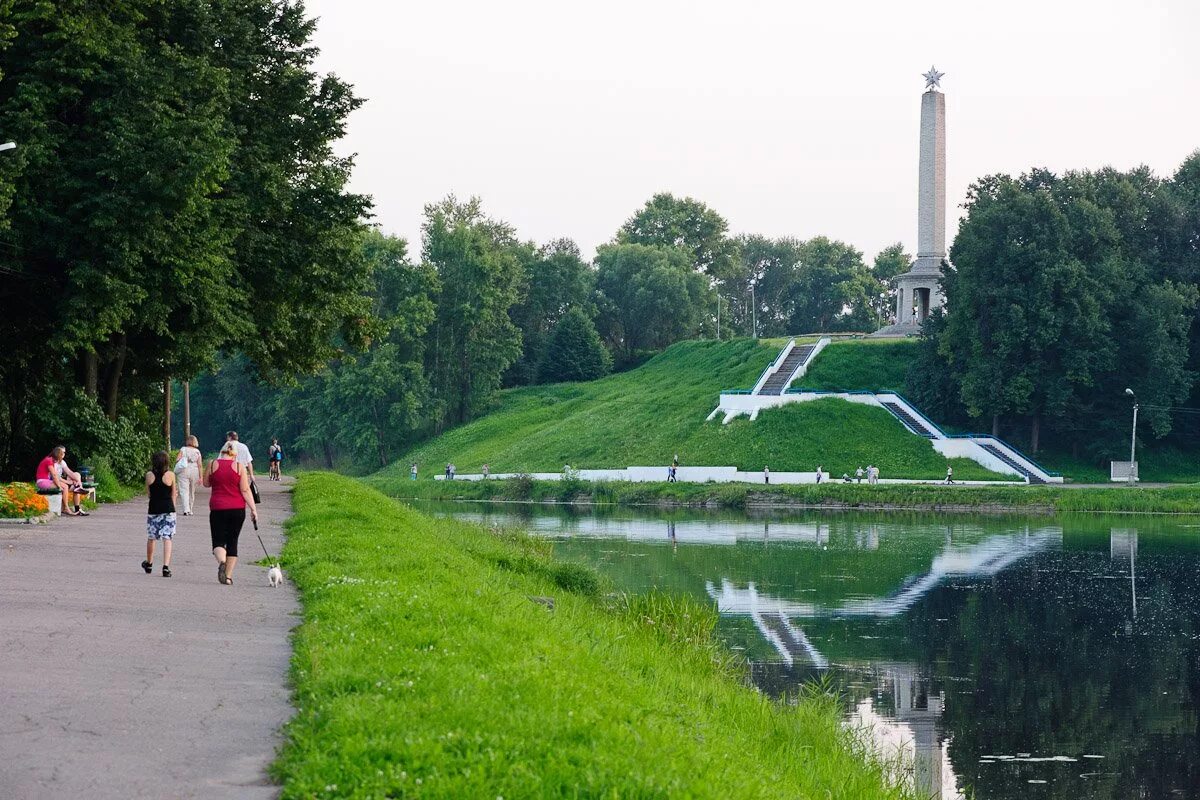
(918, 291)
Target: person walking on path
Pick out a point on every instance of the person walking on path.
(242, 454)
(858, 473)
(486, 471)
(187, 475)
(766, 474)
(162, 490)
(671, 474)
(412, 472)
(276, 456)
(949, 475)
(819, 471)
(230, 485)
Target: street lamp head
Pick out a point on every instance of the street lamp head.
(1129, 392)
(8, 146)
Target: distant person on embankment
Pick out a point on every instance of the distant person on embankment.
(162, 490)
(412, 473)
(227, 505)
(819, 471)
(766, 474)
(858, 473)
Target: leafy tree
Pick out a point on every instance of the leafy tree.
(650, 297)
(889, 262)
(558, 280)
(1052, 312)
(803, 286)
(473, 340)
(176, 196)
(575, 352)
(688, 225)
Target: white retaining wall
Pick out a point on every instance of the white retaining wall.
(734, 405)
(702, 475)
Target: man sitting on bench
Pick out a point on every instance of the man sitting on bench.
(74, 482)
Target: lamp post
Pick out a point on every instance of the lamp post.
(1133, 438)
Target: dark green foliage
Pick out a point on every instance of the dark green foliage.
(650, 296)
(808, 286)
(175, 195)
(473, 340)
(1067, 290)
(575, 352)
(688, 225)
(364, 407)
(557, 280)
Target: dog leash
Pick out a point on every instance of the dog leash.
(265, 553)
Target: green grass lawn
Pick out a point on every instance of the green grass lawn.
(917, 497)
(861, 365)
(422, 668)
(645, 416)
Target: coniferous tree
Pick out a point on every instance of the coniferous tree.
(575, 352)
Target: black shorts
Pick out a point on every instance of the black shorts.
(225, 525)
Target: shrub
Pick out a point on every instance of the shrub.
(21, 501)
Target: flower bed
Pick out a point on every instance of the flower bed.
(21, 500)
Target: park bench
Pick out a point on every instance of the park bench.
(53, 497)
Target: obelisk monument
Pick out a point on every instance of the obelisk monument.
(917, 291)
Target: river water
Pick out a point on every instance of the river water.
(995, 657)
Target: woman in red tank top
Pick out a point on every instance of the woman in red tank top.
(227, 508)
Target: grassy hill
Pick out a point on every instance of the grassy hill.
(862, 364)
(646, 415)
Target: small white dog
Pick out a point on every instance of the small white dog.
(275, 576)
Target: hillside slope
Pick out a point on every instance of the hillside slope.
(645, 416)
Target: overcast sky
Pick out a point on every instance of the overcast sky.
(788, 117)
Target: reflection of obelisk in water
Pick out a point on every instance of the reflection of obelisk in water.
(917, 291)
(918, 708)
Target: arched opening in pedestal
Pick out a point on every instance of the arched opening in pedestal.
(921, 301)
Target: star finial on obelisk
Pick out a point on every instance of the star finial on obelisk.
(933, 78)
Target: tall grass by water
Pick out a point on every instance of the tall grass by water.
(438, 659)
(834, 495)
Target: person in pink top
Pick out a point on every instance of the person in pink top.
(48, 477)
(227, 508)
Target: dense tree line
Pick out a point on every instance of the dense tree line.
(1066, 290)
(173, 196)
(480, 309)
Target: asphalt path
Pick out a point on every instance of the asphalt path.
(119, 684)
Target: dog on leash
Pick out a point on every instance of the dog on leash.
(275, 576)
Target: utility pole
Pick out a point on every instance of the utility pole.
(167, 411)
(753, 313)
(718, 316)
(187, 411)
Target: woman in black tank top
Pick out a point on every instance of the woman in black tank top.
(160, 514)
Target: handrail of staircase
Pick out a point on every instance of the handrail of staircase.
(1020, 453)
(774, 365)
(932, 425)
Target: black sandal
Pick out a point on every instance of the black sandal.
(146, 565)
(221, 573)
(166, 571)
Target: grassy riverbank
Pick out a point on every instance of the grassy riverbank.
(422, 668)
(647, 415)
(1035, 499)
